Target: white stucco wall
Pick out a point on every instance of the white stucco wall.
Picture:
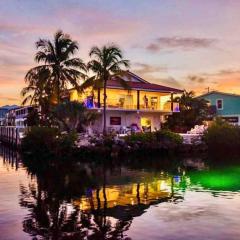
(128, 118)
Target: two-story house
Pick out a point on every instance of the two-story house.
(142, 105)
(225, 105)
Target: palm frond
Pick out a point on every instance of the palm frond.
(90, 82)
(26, 100)
(95, 51)
(70, 48)
(76, 63)
(59, 69)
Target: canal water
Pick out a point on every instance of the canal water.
(147, 199)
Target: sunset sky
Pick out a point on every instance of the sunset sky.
(188, 44)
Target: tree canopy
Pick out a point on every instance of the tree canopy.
(57, 69)
(107, 62)
(193, 111)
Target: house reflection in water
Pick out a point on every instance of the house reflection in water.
(90, 201)
(132, 198)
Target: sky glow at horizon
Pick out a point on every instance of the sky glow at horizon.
(184, 44)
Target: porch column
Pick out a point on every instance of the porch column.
(138, 99)
(99, 98)
(171, 101)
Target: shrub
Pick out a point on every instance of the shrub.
(39, 140)
(44, 141)
(158, 137)
(222, 137)
(65, 143)
(168, 136)
(147, 137)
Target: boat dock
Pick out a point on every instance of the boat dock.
(10, 135)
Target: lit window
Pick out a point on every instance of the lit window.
(219, 104)
(115, 120)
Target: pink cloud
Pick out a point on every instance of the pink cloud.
(182, 43)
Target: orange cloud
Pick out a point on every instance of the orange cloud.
(226, 80)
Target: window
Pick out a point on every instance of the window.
(231, 119)
(219, 104)
(115, 120)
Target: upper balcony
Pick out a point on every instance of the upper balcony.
(140, 95)
(155, 105)
(133, 101)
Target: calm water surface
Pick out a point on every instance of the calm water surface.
(183, 201)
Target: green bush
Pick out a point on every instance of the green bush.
(44, 141)
(39, 140)
(161, 136)
(168, 136)
(147, 137)
(65, 143)
(222, 137)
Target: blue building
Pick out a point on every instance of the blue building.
(225, 105)
(4, 110)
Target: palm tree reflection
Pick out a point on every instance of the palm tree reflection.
(75, 203)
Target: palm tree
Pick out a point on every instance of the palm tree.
(72, 116)
(37, 87)
(107, 63)
(58, 69)
(193, 111)
(186, 100)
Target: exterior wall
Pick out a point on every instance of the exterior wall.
(123, 103)
(233, 116)
(127, 119)
(231, 104)
(3, 112)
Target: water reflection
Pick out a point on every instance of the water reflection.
(94, 201)
(80, 202)
(10, 157)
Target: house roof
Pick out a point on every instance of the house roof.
(143, 86)
(9, 107)
(218, 92)
(137, 83)
(136, 76)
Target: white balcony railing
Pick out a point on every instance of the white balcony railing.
(167, 107)
(129, 104)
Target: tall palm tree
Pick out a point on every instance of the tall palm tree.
(58, 66)
(107, 63)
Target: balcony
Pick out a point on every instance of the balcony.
(166, 108)
(120, 103)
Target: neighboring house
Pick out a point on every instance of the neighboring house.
(226, 105)
(17, 116)
(143, 106)
(21, 115)
(3, 112)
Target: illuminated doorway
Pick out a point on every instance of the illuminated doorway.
(146, 124)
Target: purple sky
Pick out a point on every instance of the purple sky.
(188, 44)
